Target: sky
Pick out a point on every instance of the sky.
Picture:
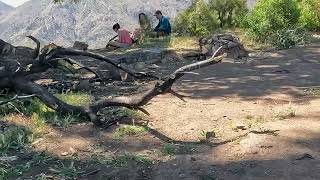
(14, 3)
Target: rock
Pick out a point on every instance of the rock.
(6, 48)
(109, 71)
(72, 151)
(305, 156)
(193, 159)
(241, 126)
(83, 85)
(126, 77)
(229, 42)
(8, 158)
(140, 65)
(64, 154)
(154, 66)
(210, 134)
(97, 83)
(80, 45)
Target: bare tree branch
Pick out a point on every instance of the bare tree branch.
(37, 50)
(49, 58)
(70, 52)
(16, 97)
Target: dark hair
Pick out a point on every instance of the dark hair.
(142, 14)
(158, 12)
(116, 26)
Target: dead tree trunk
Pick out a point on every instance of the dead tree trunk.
(17, 64)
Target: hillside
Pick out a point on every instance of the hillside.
(4, 8)
(88, 21)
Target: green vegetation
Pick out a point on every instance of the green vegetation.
(310, 14)
(276, 22)
(229, 12)
(76, 98)
(10, 170)
(13, 139)
(314, 91)
(66, 171)
(202, 19)
(174, 42)
(270, 16)
(286, 38)
(197, 20)
(122, 160)
(24, 121)
(128, 130)
(254, 121)
(279, 23)
(169, 149)
(289, 112)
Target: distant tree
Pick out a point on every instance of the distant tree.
(228, 11)
(310, 14)
(197, 20)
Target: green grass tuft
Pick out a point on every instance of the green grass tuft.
(66, 171)
(14, 138)
(290, 112)
(128, 130)
(169, 149)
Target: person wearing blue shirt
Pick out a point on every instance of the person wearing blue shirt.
(164, 26)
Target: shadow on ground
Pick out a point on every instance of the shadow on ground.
(202, 164)
(287, 72)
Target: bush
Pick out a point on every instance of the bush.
(197, 20)
(270, 16)
(230, 12)
(203, 18)
(310, 14)
(290, 37)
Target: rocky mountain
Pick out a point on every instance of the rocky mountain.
(4, 8)
(251, 3)
(90, 20)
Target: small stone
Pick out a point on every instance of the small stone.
(72, 151)
(80, 45)
(240, 125)
(305, 156)
(154, 66)
(84, 85)
(140, 65)
(97, 83)
(193, 159)
(64, 154)
(210, 134)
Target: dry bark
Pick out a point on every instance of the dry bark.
(16, 65)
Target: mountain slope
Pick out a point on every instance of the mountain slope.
(90, 21)
(4, 8)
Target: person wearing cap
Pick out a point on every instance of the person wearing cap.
(164, 27)
(124, 38)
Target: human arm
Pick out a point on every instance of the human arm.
(165, 24)
(158, 26)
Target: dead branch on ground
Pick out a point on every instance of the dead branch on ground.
(15, 68)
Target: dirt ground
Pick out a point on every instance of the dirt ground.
(262, 114)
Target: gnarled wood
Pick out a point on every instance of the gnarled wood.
(13, 74)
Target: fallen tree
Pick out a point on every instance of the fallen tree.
(18, 63)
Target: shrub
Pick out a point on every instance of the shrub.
(197, 20)
(290, 37)
(229, 12)
(270, 16)
(203, 18)
(310, 14)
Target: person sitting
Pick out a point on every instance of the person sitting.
(124, 38)
(164, 27)
(144, 30)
